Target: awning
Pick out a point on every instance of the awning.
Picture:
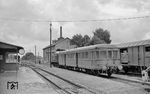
(4, 45)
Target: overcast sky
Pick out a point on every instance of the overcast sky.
(15, 29)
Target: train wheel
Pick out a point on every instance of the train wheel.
(125, 70)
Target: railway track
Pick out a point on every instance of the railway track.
(63, 85)
(79, 88)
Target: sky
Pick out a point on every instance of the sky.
(26, 22)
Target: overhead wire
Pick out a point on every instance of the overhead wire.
(84, 20)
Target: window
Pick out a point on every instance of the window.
(109, 54)
(11, 58)
(97, 54)
(86, 54)
(147, 49)
(115, 54)
(83, 55)
(79, 55)
(103, 54)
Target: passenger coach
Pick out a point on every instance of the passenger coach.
(101, 58)
(135, 56)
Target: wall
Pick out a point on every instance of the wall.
(64, 45)
(61, 44)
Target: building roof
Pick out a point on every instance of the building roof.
(58, 41)
(98, 46)
(135, 43)
(4, 45)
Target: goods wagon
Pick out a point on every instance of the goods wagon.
(101, 58)
(135, 56)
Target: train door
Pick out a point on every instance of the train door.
(65, 59)
(141, 56)
(124, 56)
(147, 55)
(135, 56)
(76, 59)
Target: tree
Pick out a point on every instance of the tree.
(77, 40)
(86, 40)
(28, 56)
(96, 40)
(103, 35)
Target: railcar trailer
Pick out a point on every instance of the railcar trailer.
(135, 56)
(101, 58)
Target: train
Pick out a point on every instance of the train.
(97, 59)
(135, 56)
(132, 57)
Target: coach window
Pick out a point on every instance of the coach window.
(79, 55)
(86, 54)
(103, 54)
(115, 54)
(147, 49)
(109, 54)
(97, 54)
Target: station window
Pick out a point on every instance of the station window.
(11, 58)
(147, 49)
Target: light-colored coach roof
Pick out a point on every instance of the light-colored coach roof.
(131, 44)
(98, 46)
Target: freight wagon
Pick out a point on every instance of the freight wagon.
(135, 56)
(101, 58)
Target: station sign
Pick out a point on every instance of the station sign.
(21, 51)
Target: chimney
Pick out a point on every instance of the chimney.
(60, 31)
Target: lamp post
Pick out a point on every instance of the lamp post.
(50, 44)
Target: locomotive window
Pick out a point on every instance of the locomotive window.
(71, 55)
(103, 54)
(82, 54)
(97, 54)
(147, 49)
(86, 54)
(109, 54)
(79, 56)
(115, 55)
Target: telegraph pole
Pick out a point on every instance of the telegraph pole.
(50, 44)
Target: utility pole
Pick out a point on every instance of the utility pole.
(50, 44)
(35, 54)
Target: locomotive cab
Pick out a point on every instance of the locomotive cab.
(146, 75)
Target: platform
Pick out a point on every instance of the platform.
(28, 83)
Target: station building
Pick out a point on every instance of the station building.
(9, 56)
(60, 44)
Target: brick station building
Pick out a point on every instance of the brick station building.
(9, 56)
(57, 45)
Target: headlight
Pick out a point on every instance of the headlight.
(120, 67)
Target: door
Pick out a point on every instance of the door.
(135, 55)
(76, 59)
(65, 59)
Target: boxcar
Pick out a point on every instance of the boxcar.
(101, 58)
(135, 56)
